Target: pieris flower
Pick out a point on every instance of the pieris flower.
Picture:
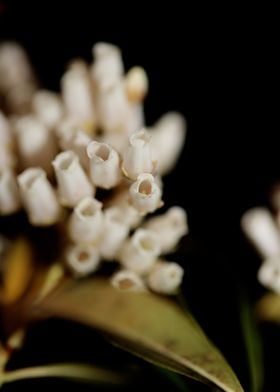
(82, 259)
(73, 183)
(38, 197)
(86, 221)
(104, 165)
(165, 277)
(137, 158)
(126, 280)
(139, 253)
(145, 194)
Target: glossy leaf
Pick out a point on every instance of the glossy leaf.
(77, 371)
(150, 326)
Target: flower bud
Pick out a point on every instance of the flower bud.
(47, 107)
(77, 94)
(108, 66)
(261, 229)
(15, 68)
(136, 84)
(113, 109)
(168, 140)
(36, 144)
(38, 197)
(73, 184)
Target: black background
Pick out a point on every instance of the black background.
(218, 67)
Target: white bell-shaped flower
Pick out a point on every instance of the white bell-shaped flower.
(38, 197)
(86, 221)
(137, 158)
(139, 253)
(165, 277)
(126, 280)
(82, 259)
(73, 183)
(114, 233)
(170, 227)
(104, 165)
(145, 194)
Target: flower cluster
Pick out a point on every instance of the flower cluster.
(57, 151)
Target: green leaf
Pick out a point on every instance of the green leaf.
(150, 326)
(76, 371)
(253, 345)
(175, 379)
(268, 308)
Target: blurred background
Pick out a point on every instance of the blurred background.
(222, 76)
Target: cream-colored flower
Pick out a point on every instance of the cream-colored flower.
(115, 232)
(82, 259)
(38, 197)
(167, 141)
(137, 158)
(165, 277)
(170, 227)
(260, 227)
(9, 193)
(104, 165)
(86, 221)
(145, 194)
(107, 69)
(113, 109)
(139, 253)
(126, 280)
(48, 107)
(77, 94)
(15, 68)
(73, 183)
(136, 84)
(36, 143)
(17, 81)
